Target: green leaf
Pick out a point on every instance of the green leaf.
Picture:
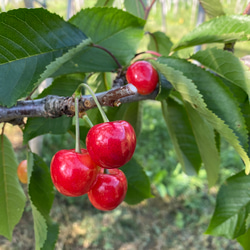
(56, 65)
(223, 29)
(135, 7)
(130, 112)
(216, 95)
(40, 228)
(232, 207)
(138, 183)
(226, 65)
(52, 235)
(100, 82)
(213, 8)
(182, 136)
(40, 126)
(12, 198)
(41, 193)
(116, 30)
(203, 132)
(63, 86)
(191, 94)
(165, 88)
(159, 42)
(30, 40)
(244, 239)
(104, 3)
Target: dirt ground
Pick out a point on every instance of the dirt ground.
(152, 225)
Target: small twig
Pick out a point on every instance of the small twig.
(148, 52)
(110, 53)
(3, 128)
(247, 10)
(148, 9)
(143, 5)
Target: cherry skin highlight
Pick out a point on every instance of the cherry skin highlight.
(143, 76)
(72, 173)
(109, 190)
(111, 144)
(22, 172)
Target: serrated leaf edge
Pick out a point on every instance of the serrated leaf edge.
(218, 123)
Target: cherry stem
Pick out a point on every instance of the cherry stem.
(106, 171)
(109, 52)
(77, 148)
(148, 52)
(104, 117)
(86, 118)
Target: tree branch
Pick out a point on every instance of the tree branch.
(55, 106)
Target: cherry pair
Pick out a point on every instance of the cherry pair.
(110, 145)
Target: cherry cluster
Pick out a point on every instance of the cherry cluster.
(95, 170)
(109, 145)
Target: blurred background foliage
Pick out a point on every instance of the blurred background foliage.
(179, 214)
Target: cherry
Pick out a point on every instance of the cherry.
(109, 190)
(72, 173)
(111, 144)
(143, 76)
(22, 172)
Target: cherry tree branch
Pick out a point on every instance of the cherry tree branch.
(55, 106)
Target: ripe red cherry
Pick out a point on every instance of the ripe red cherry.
(143, 76)
(22, 172)
(111, 144)
(109, 190)
(72, 173)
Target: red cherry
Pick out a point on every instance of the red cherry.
(109, 190)
(111, 144)
(143, 76)
(72, 173)
(22, 172)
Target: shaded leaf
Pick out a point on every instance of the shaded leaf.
(226, 65)
(232, 207)
(135, 7)
(52, 235)
(130, 112)
(100, 82)
(40, 126)
(63, 86)
(216, 95)
(182, 136)
(41, 193)
(159, 42)
(66, 58)
(223, 29)
(205, 139)
(244, 239)
(138, 183)
(165, 88)
(30, 40)
(12, 198)
(190, 93)
(213, 8)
